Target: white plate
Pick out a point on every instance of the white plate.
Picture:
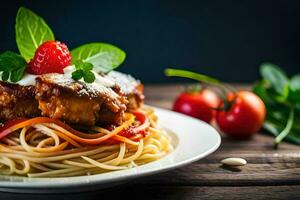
(192, 138)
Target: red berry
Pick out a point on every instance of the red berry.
(50, 57)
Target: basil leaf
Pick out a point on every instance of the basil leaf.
(104, 57)
(276, 78)
(10, 61)
(31, 32)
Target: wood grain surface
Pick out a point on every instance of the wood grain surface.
(269, 174)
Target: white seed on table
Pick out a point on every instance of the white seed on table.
(234, 161)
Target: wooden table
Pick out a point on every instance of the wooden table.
(269, 174)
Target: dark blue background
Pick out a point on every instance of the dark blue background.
(226, 39)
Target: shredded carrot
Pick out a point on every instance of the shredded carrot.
(124, 139)
(73, 136)
(63, 136)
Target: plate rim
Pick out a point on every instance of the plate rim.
(43, 185)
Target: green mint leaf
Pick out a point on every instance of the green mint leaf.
(276, 78)
(79, 64)
(78, 74)
(83, 70)
(31, 32)
(89, 77)
(5, 76)
(87, 66)
(104, 57)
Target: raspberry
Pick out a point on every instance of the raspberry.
(50, 57)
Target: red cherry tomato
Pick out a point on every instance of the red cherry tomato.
(197, 104)
(245, 116)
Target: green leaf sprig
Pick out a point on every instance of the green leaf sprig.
(281, 96)
(83, 70)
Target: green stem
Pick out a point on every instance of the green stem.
(195, 76)
(192, 75)
(287, 128)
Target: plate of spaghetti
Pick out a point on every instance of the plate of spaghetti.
(29, 165)
(69, 120)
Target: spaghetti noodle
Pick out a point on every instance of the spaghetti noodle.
(45, 147)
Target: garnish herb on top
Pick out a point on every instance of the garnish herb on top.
(83, 70)
(281, 96)
(32, 31)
